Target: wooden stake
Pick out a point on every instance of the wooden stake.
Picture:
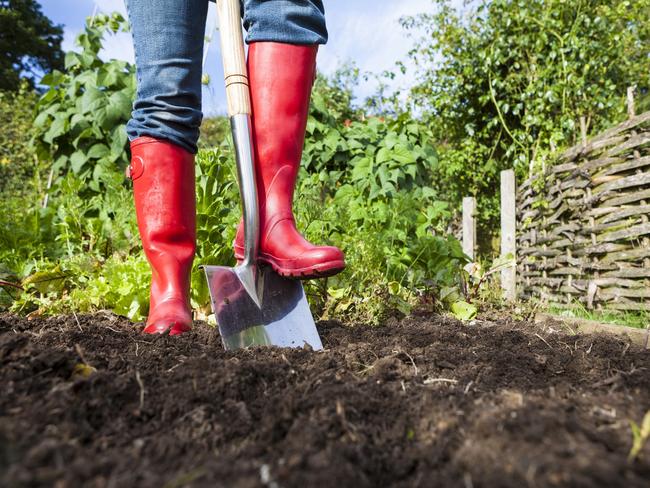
(469, 226)
(508, 231)
(630, 101)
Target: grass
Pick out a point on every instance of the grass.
(636, 319)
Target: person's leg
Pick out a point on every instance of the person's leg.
(168, 37)
(299, 22)
(164, 128)
(284, 37)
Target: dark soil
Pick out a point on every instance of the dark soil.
(425, 401)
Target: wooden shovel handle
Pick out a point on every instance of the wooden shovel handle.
(233, 57)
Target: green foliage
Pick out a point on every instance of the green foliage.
(331, 99)
(17, 165)
(80, 251)
(638, 319)
(368, 189)
(80, 122)
(505, 84)
(65, 254)
(83, 283)
(366, 185)
(217, 209)
(640, 435)
(214, 131)
(30, 44)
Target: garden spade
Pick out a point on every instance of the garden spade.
(253, 305)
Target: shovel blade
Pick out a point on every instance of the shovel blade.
(277, 315)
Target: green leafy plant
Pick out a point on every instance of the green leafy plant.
(640, 435)
(84, 283)
(18, 167)
(217, 216)
(80, 122)
(366, 186)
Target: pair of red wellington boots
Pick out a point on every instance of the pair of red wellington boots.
(281, 77)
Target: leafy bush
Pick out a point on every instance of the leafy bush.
(81, 118)
(368, 188)
(214, 131)
(67, 253)
(505, 83)
(83, 283)
(17, 165)
(392, 255)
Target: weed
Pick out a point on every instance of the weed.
(640, 435)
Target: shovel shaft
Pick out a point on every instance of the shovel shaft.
(233, 57)
(239, 110)
(242, 137)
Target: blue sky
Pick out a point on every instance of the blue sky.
(366, 32)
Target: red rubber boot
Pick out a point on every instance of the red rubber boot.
(281, 77)
(163, 188)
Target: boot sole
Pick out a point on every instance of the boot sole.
(320, 270)
(172, 328)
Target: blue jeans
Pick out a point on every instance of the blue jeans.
(168, 38)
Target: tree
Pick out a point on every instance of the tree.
(506, 82)
(30, 44)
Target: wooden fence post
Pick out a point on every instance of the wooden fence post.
(508, 230)
(631, 112)
(469, 226)
(583, 131)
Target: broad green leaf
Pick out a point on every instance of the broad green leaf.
(118, 141)
(97, 151)
(401, 154)
(77, 161)
(361, 169)
(91, 99)
(383, 155)
(57, 128)
(463, 311)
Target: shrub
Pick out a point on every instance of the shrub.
(505, 82)
(17, 159)
(81, 118)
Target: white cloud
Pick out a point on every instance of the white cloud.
(369, 35)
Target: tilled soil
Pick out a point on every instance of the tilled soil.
(425, 401)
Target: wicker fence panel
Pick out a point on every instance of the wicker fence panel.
(584, 226)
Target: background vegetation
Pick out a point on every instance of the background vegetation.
(505, 84)
(29, 42)
(498, 86)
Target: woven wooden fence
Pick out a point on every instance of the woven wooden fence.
(584, 226)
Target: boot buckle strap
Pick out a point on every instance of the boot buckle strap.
(135, 169)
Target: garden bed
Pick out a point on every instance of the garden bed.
(424, 401)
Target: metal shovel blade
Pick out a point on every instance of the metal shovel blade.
(283, 317)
